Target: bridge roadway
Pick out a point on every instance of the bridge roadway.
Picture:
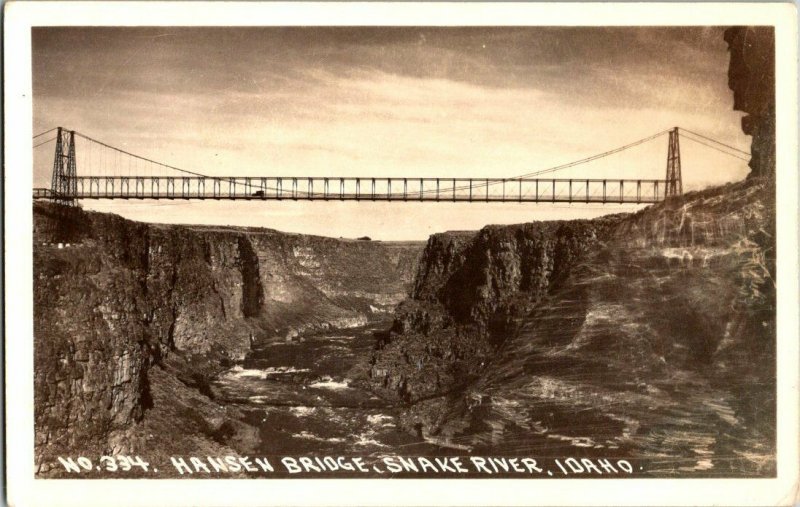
(365, 189)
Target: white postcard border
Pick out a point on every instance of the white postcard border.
(25, 490)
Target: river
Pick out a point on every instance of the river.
(302, 396)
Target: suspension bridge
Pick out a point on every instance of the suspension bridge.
(114, 173)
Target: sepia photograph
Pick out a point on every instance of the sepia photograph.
(343, 250)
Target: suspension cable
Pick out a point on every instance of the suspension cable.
(593, 157)
(140, 157)
(45, 132)
(717, 142)
(568, 164)
(44, 142)
(717, 149)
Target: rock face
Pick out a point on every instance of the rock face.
(648, 335)
(751, 76)
(470, 292)
(113, 299)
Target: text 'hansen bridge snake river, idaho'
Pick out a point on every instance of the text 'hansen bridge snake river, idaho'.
(107, 172)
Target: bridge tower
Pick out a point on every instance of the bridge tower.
(64, 186)
(674, 180)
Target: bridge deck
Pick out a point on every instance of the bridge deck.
(366, 189)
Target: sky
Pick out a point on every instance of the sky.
(386, 101)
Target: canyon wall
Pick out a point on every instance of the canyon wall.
(637, 335)
(751, 76)
(470, 291)
(116, 302)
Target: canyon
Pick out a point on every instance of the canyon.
(133, 320)
(642, 336)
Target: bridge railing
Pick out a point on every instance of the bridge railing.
(369, 189)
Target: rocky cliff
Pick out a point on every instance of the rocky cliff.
(751, 76)
(119, 303)
(649, 335)
(469, 294)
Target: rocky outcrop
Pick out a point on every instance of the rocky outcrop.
(647, 335)
(751, 76)
(470, 292)
(114, 299)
